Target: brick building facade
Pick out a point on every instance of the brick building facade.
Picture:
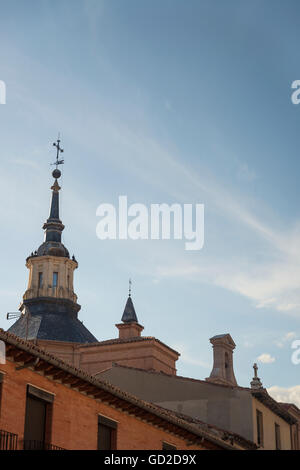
(47, 404)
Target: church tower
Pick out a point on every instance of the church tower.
(49, 310)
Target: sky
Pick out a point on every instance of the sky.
(165, 102)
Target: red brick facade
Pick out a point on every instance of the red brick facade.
(75, 416)
(72, 417)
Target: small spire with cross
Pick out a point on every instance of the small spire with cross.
(256, 382)
(129, 314)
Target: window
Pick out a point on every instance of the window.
(167, 446)
(260, 429)
(277, 437)
(55, 280)
(40, 285)
(37, 418)
(107, 433)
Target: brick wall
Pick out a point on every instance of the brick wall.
(148, 354)
(75, 416)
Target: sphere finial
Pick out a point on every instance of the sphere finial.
(56, 173)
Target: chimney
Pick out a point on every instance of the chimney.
(222, 372)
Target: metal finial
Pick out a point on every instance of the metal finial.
(56, 173)
(130, 283)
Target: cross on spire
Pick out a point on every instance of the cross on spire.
(256, 382)
(59, 150)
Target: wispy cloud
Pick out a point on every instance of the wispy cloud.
(288, 337)
(187, 357)
(269, 285)
(266, 358)
(286, 395)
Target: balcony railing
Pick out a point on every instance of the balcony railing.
(39, 445)
(8, 440)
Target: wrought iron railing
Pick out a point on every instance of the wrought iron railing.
(39, 445)
(8, 440)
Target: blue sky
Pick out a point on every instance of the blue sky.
(162, 101)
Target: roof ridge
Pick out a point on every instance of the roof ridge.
(125, 340)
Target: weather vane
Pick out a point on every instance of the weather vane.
(59, 150)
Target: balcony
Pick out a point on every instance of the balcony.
(8, 440)
(39, 445)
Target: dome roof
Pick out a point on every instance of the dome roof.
(51, 248)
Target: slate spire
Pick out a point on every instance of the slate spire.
(54, 226)
(129, 315)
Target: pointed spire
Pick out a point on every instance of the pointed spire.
(53, 226)
(129, 314)
(256, 382)
(54, 210)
